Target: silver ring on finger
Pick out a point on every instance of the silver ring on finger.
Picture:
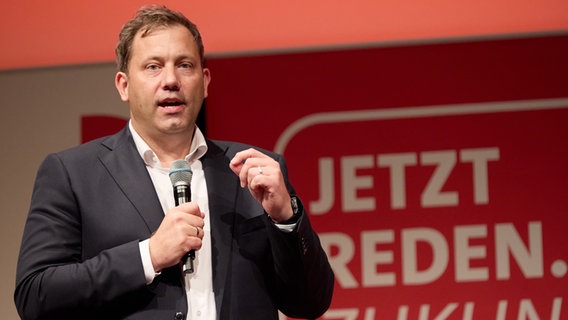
(260, 170)
(197, 231)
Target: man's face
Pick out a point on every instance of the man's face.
(166, 83)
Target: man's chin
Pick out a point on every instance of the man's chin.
(178, 128)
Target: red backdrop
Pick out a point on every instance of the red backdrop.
(435, 174)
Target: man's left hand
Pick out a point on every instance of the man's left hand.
(262, 176)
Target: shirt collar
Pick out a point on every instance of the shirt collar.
(197, 149)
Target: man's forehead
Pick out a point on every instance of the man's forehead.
(151, 29)
(148, 33)
(144, 45)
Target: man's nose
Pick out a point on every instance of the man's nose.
(170, 80)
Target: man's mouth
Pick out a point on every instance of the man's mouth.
(167, 103)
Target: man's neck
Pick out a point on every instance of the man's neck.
(168, 148)
(168, 154)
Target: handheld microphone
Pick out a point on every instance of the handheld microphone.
(180, 175)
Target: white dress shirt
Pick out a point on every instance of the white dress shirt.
(199, 284)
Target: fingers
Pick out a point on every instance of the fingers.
(189, 218)
(246, 158)
(189, 208)
(254, 168)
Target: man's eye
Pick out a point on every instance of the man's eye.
(186, 65)
(152, 67)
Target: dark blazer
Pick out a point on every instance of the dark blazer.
(93, 204)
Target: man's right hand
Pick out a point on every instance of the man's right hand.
(177, 235)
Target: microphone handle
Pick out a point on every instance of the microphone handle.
(182, 194)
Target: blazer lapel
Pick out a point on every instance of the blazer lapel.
(222, 186)
(124, 163)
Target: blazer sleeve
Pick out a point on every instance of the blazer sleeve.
(52, 274)
(301, 265)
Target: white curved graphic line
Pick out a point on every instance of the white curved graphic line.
(414, 112)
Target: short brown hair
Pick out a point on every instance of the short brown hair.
(148, 18)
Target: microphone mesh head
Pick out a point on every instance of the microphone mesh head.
(180, 173)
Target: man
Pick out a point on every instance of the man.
(104, 240)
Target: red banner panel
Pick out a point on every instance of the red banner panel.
(435, 174)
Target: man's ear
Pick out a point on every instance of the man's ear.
(121, 84)
(206, 81)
